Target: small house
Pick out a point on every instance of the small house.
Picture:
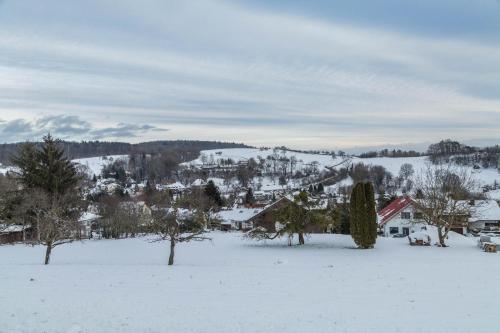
(400, 217)
(237, 218)
(485, 216)
(15, 233)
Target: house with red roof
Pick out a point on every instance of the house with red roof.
(401, 217)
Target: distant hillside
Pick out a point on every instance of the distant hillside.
(86, 149)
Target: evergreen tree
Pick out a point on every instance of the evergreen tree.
(249, 197)
(213, 193)
(341, 218)
(321, 188)
(46, 169)
(51, 197)
(363, 216)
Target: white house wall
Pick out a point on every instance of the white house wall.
(397, 222)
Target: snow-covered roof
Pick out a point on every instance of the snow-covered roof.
(198, 182)
(272, 187)
(238, 214)
(485, 210)
(175, 186)
(88, 216)
(394, 207)
(5, 229)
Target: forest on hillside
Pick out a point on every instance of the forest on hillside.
(86, 149)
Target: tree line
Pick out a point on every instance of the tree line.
(84, 149)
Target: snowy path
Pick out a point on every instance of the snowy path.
(230, 285)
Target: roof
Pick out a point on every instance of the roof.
(238, 214)
(271, 206)
(10, 228)
(175, 186)
(88, 216)
(198, 182)
(394, 207)
(485, 210)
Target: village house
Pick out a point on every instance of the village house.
(267, 218)
(400, 217)
(15, 233)
(237, 218)
(88, 224)
(485, 216)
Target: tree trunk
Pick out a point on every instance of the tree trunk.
(47, 253)
(171, 257)
(441, 237)
(301, 239)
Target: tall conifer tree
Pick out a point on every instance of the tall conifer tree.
(363, 216)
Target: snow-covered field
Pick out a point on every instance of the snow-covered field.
(231, 285)
(244, 154)
(96, 164)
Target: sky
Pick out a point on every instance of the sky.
(320, 74)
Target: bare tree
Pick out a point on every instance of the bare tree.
(406, 171)
(56, 218)
(293, 162)
(121, 218)
(441, 194)
(170, 225)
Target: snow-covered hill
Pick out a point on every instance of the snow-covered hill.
(393, 165)
(244, 154)
(95, 165)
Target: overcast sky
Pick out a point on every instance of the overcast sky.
(301, 73)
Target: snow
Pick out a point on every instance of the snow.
(244, 154)
(176, 186)
(96, 164)
(88, 216)
(11, 228)
(420, 235)
(495, 195)
(343, 183)
(237, 214)
(393, 165)
(485, 210)
(234, 285)
(4, 169)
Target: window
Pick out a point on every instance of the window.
(406, 231)
(393, 230)
(418, 215)
(406, 215)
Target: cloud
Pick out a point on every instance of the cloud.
(69, 128)
(212, 69)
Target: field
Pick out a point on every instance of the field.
(236, 285)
